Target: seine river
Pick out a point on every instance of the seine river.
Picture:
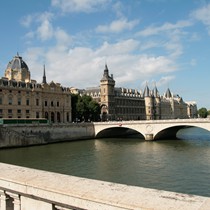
(173, 165)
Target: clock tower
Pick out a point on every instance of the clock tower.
(107, 85)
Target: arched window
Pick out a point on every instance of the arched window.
(52, 117)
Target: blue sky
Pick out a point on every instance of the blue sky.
(162, 42)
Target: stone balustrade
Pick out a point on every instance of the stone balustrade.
(23, 188)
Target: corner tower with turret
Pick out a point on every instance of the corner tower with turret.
(107, 85)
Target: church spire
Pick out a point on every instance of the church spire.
(44, 77)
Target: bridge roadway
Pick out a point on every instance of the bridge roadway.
(152, 129)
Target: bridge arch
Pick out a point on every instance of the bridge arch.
(169, 132)
(118, 131)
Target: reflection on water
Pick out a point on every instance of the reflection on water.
(175, 165)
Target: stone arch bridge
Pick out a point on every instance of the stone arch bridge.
(152, 129)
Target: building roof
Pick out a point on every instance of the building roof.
(17, 63)
(106, 75)
(146, 91)
(168, 93)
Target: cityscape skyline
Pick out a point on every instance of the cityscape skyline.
(154, 42)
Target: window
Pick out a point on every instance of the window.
(27, 102)
(37, 102)
(19, 111)
(10, 101)
(58, 103)
(9, 111)
(19, 101)
(37, 114)
(0, 100)
(45, 103)
(1, 111)
(51, 103)
(27, 111)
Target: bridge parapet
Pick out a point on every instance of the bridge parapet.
(24, 188)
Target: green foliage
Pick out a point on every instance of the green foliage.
(203, 113)
(84, 108)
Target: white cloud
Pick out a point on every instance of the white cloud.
(165, 80)
(123, 47)
(203, 15)
(45, 30)
(117, 8)
(117, 26)
(62, 38)
(79, 5)
(83, 67)
(27, 20)
(153, 30)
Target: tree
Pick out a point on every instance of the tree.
(203, 113)
(84, 108)
(74, 99)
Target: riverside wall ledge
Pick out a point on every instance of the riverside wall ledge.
(27, 135)
(23, 188)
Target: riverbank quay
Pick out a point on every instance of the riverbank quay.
(34, 134)
(24, 188)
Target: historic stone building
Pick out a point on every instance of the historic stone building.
(21, 97)
(127, 104)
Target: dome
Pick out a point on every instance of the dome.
(17, 63)
(17, 70)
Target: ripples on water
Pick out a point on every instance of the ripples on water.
(174, 165)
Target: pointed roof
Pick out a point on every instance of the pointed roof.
(155, 92)
(106, 75)
(168, 93)
(44, 80)
(146, 91)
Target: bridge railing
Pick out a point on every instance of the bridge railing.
(24, 188)
(196, 120)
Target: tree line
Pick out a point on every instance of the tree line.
(84, 109)
(203, 112)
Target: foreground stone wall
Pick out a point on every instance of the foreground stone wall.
(23, 189)
(25, 135)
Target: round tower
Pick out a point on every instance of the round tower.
(157, 104)
(148, 103)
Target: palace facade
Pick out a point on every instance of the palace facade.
(128, 104)
(22, 97)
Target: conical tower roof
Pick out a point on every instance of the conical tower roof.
(146, 91)
(168, 93)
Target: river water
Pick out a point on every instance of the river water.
(173, 165)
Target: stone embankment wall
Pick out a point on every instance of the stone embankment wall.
(25, 135)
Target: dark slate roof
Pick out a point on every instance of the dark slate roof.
(155, 92)
(106, 74)
(17, 63)
(146, 91)
(168, 93)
